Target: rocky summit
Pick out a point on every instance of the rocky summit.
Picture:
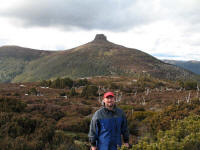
(100, 38)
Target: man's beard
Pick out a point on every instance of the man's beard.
(110, 105)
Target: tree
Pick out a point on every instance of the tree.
(73, 92)
(89, 90)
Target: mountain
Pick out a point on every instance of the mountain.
(13, 59)
(192, 65)
(96, 58)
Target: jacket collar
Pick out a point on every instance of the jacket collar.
(108, 110)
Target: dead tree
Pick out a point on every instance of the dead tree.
(157, 90)
(144, 101)
(178, 101)
(135, 94)
(101, 90)
(132, 112)
(188, 98)
(147, 91)
(197, 90)
(168, 89)
(118, 96)
(179, 90)
(161, 89)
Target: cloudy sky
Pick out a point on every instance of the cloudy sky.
(163, 28)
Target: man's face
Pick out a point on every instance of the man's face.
(109, 101)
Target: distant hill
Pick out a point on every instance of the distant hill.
(96, 58)
(193, 66)
(13, 59)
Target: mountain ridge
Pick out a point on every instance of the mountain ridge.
(192, 65)
(13, 60)
(98, 57)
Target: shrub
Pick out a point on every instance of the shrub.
(141, 115)
(190, 85)
(65, 140)
(26, 123)
(89, 91)
(139, 108)
(16, 94)
(84, 110)
(58, 83)
(126, 107)
(184, 135)
(11, 105)
(73, 92)
(113, 86)
(62, 94)
(133, 127)
(33, 91)
(74, 124)
(81, 82)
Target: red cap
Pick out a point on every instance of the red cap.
(108, 94)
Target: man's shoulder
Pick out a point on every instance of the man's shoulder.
(98, 112)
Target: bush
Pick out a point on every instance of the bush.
(11, 105)
(81, 82)
(58, 83)
(184, 135)
(113, 86)
(26, 123)
(133, 127)
(89, 91)
(33, 91)
(62, 94)
(65, 140)
(73, 92)
(84, 110)
(141, 115)
(139, 108)
(190, 85)
(74, 124)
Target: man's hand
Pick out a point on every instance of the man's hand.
(126, 144)
(93, 148)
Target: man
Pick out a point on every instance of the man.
(107, 126)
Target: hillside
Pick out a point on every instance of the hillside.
(193, 66)
(96, 58)
(13, 59)
(36, 116)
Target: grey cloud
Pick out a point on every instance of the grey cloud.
(187, 11)
(113, 15)
(116, 15)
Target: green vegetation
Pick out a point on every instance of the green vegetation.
(13, 60)
(62, 83)
(183, 135)
(189, 65)
(56, 113)
(89, 91)
(188, 85)
(10, 68)
(89, 60)
(24, 130)
(58, 83)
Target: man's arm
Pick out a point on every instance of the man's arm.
(93, 148)
(125, 131)
(93, 132)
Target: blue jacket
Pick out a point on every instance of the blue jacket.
(106, 128)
